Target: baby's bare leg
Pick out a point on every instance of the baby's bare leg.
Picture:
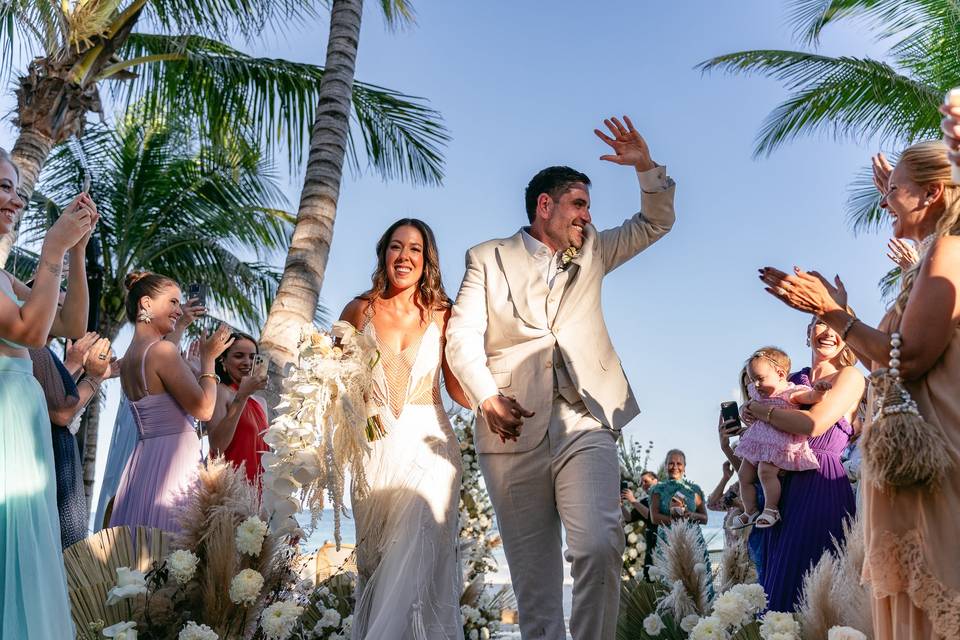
(747, 475)
(770, 481)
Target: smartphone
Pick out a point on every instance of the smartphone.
(729, 411)
(624, 485)
(197, 291)
(86, 183)
(259, 365)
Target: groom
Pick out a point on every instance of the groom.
(528, 343)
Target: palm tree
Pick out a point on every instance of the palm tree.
(170, 204)
(185, 66)
(307, 258)
(860, 98)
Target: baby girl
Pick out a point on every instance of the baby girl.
(765, 450)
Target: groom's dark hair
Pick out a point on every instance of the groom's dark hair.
(553, 181)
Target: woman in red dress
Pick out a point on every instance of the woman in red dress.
(239, 419)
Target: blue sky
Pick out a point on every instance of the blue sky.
(521, 87)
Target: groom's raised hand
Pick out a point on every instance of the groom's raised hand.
(504, 416)
(629, 147)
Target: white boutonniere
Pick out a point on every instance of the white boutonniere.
(567, 257)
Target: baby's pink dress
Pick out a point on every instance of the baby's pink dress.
(763, 442)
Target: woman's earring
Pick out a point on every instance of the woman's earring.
(144, 316)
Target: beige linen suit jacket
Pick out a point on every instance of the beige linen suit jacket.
(500, 339)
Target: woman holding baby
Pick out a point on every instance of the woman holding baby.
(813, 504)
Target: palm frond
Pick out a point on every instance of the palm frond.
(28, 25)
(171, 205)
(222, 18)
(221, 87)
(852, 98)
(887, 17)
(22, 263)
(890, 284)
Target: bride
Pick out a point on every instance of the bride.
(407, 522)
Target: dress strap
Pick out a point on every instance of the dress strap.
(143, 366)
(367, 316)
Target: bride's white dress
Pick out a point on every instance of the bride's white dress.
(410, 579)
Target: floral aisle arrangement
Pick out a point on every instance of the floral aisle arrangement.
(328, 613)
(223, 576)
(322, 429)
(480, 605)
(633, 462)
(679, 607)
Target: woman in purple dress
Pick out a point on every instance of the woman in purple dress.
(815, 503)
(165, 397)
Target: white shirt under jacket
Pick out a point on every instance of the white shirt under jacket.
(516, 312)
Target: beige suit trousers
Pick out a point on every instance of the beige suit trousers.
(572, 477)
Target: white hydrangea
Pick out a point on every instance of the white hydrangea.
(753, 594)
(653, 625)
(245, 586)
(732, 609)
(777, 625)
(347, 624)
(182, 564)
(130, 583)
(250, 535)
(194, 631)
(845, 633)
(689, 622)
(709, 628)
(279, 619)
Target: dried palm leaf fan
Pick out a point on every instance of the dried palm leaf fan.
(91, 566)
(900, 449)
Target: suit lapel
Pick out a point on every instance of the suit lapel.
(572, 274)
(515, 263)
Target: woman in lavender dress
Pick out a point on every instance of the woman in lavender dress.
(165, 396)
(814, 504)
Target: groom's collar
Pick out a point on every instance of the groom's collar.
(534, 247)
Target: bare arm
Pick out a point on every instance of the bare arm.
(700, 515)
(449, 380)
(655, 516)
(713, 501)
(838, 402)
(71, 319)
(197, 397)
(226, 414)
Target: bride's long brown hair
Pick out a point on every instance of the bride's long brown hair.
(430, 292)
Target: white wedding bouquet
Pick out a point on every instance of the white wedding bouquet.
(323, 426)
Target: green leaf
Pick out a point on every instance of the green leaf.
(850, 98)
(223, 88)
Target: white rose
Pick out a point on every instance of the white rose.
(845, 633)
(250, 535)
(653, 625)
(279, 619)
(632, 553)
(484, 634)
(777, 622)
(182, 565)
(245, 586)
(121, 631)
(632, 538)
(689, 622)
(193, 631)
(731, 609)
(129, 583)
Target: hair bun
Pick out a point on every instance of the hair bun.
(133, 278)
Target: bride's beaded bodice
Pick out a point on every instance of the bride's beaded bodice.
(410, 376)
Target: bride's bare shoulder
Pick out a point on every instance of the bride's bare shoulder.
(355, 311)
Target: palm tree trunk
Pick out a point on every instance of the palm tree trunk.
(299, 289)
(30, 152)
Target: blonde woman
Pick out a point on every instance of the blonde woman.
(913, 562)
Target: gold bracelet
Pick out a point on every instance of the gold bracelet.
(209, 375)
(769, 414)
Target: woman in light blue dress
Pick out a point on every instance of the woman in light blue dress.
(33, 585)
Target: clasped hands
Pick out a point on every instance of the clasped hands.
(504, 416)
